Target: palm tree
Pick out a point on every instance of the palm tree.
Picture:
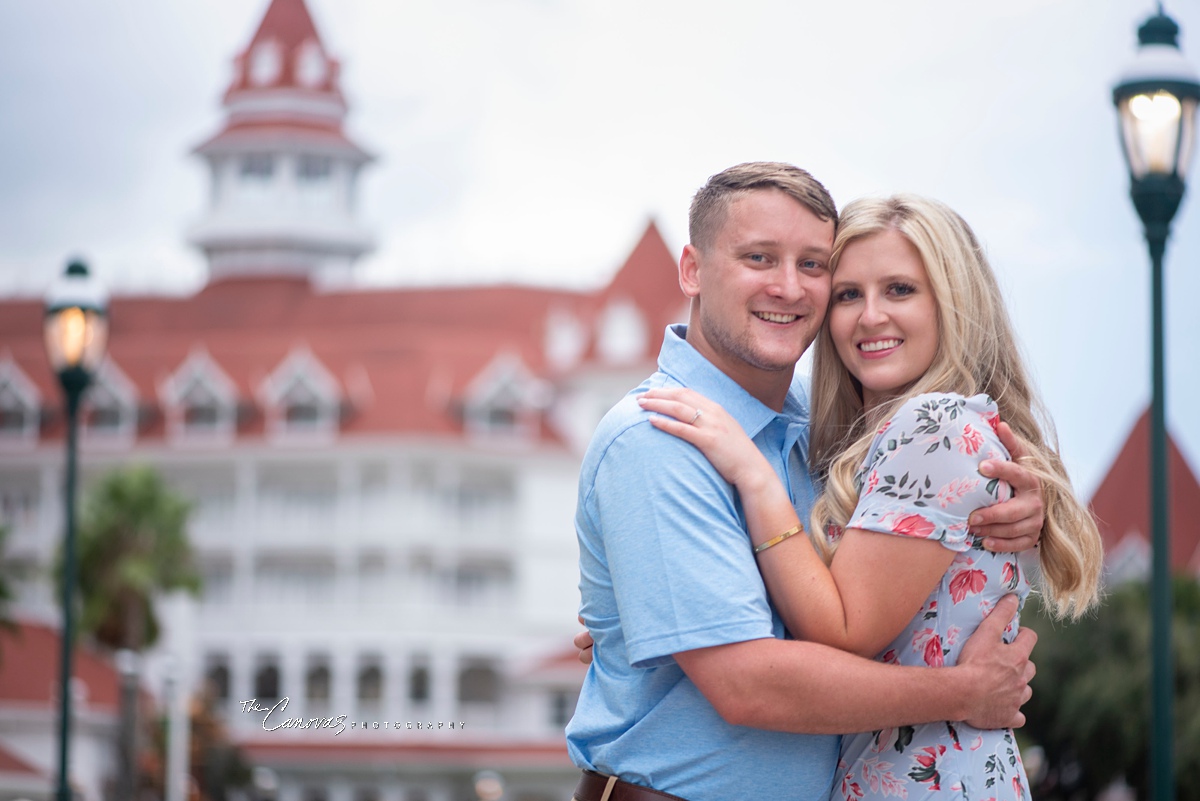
(133, 547)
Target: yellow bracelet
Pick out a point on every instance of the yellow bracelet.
(769, 543)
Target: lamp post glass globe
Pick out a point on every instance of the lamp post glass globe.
(76, 323)
(1156, 99)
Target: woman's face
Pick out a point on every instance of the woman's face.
(882, 315)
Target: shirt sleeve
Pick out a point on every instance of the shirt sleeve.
(681, 565)
(921, 477)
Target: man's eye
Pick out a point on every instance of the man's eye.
(810, 264)
(757, 258)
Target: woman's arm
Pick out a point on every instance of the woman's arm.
(858, 606)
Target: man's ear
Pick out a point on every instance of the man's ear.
(689, 268)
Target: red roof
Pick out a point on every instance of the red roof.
(1121, 504)
(11, 764)
(403, 359)
(29, 669)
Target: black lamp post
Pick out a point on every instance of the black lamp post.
(76, 331)
(1156, 100)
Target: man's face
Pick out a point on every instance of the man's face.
(762, 288)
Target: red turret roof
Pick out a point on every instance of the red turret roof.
(288, 26)
(285, 90)
(1121, 504)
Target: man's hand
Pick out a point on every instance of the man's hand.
(1004, 669)
(583, 641)
(1016, 524)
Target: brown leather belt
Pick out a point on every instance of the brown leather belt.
(594, 786)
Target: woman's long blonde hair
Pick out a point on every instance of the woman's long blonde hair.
(977, 353)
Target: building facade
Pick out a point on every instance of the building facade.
(383, 480)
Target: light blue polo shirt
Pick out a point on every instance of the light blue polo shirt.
(666, 566)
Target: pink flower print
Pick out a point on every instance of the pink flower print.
(883, 428)
(993, 420)
(872, 481)
(952, 635)
(913, 525)
(967, 582)
(889, 657)
(956, 490)
(834, 532)
(1018, 788)
(977, 743)
(970, 442)
(850, 788)
(926, 768)
(930, 643)
(880, 779)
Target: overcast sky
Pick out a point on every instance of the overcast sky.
(531, 140)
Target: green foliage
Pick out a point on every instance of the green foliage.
(1091, 696)
(133, 546)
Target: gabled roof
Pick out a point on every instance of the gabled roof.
(1121, 504)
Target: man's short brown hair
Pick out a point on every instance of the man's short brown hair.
(711, 202)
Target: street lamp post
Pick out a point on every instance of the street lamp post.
(75, 330)
(1156, 101)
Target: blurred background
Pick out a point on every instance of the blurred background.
(378, 268)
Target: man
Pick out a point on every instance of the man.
(693, 690)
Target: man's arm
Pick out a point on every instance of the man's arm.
(786, 685)
(1016, 524)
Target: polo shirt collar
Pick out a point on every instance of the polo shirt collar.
(684, 363)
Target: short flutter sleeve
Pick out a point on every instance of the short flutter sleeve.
(921, 476)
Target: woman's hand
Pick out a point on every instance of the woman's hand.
(694, 418)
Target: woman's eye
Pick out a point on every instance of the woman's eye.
(844, 295)
(902, 289)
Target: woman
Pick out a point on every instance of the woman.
(914, 368)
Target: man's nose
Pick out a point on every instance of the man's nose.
(788, 286)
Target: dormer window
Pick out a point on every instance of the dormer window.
(110, 406)
(505, 400)
(200, 401)
(301, 398)
(19, 402)
(301, 406)
(622, 333)
(201, 410)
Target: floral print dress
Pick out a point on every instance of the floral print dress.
(921, 479)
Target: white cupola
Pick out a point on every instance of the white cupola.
(284, 175)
